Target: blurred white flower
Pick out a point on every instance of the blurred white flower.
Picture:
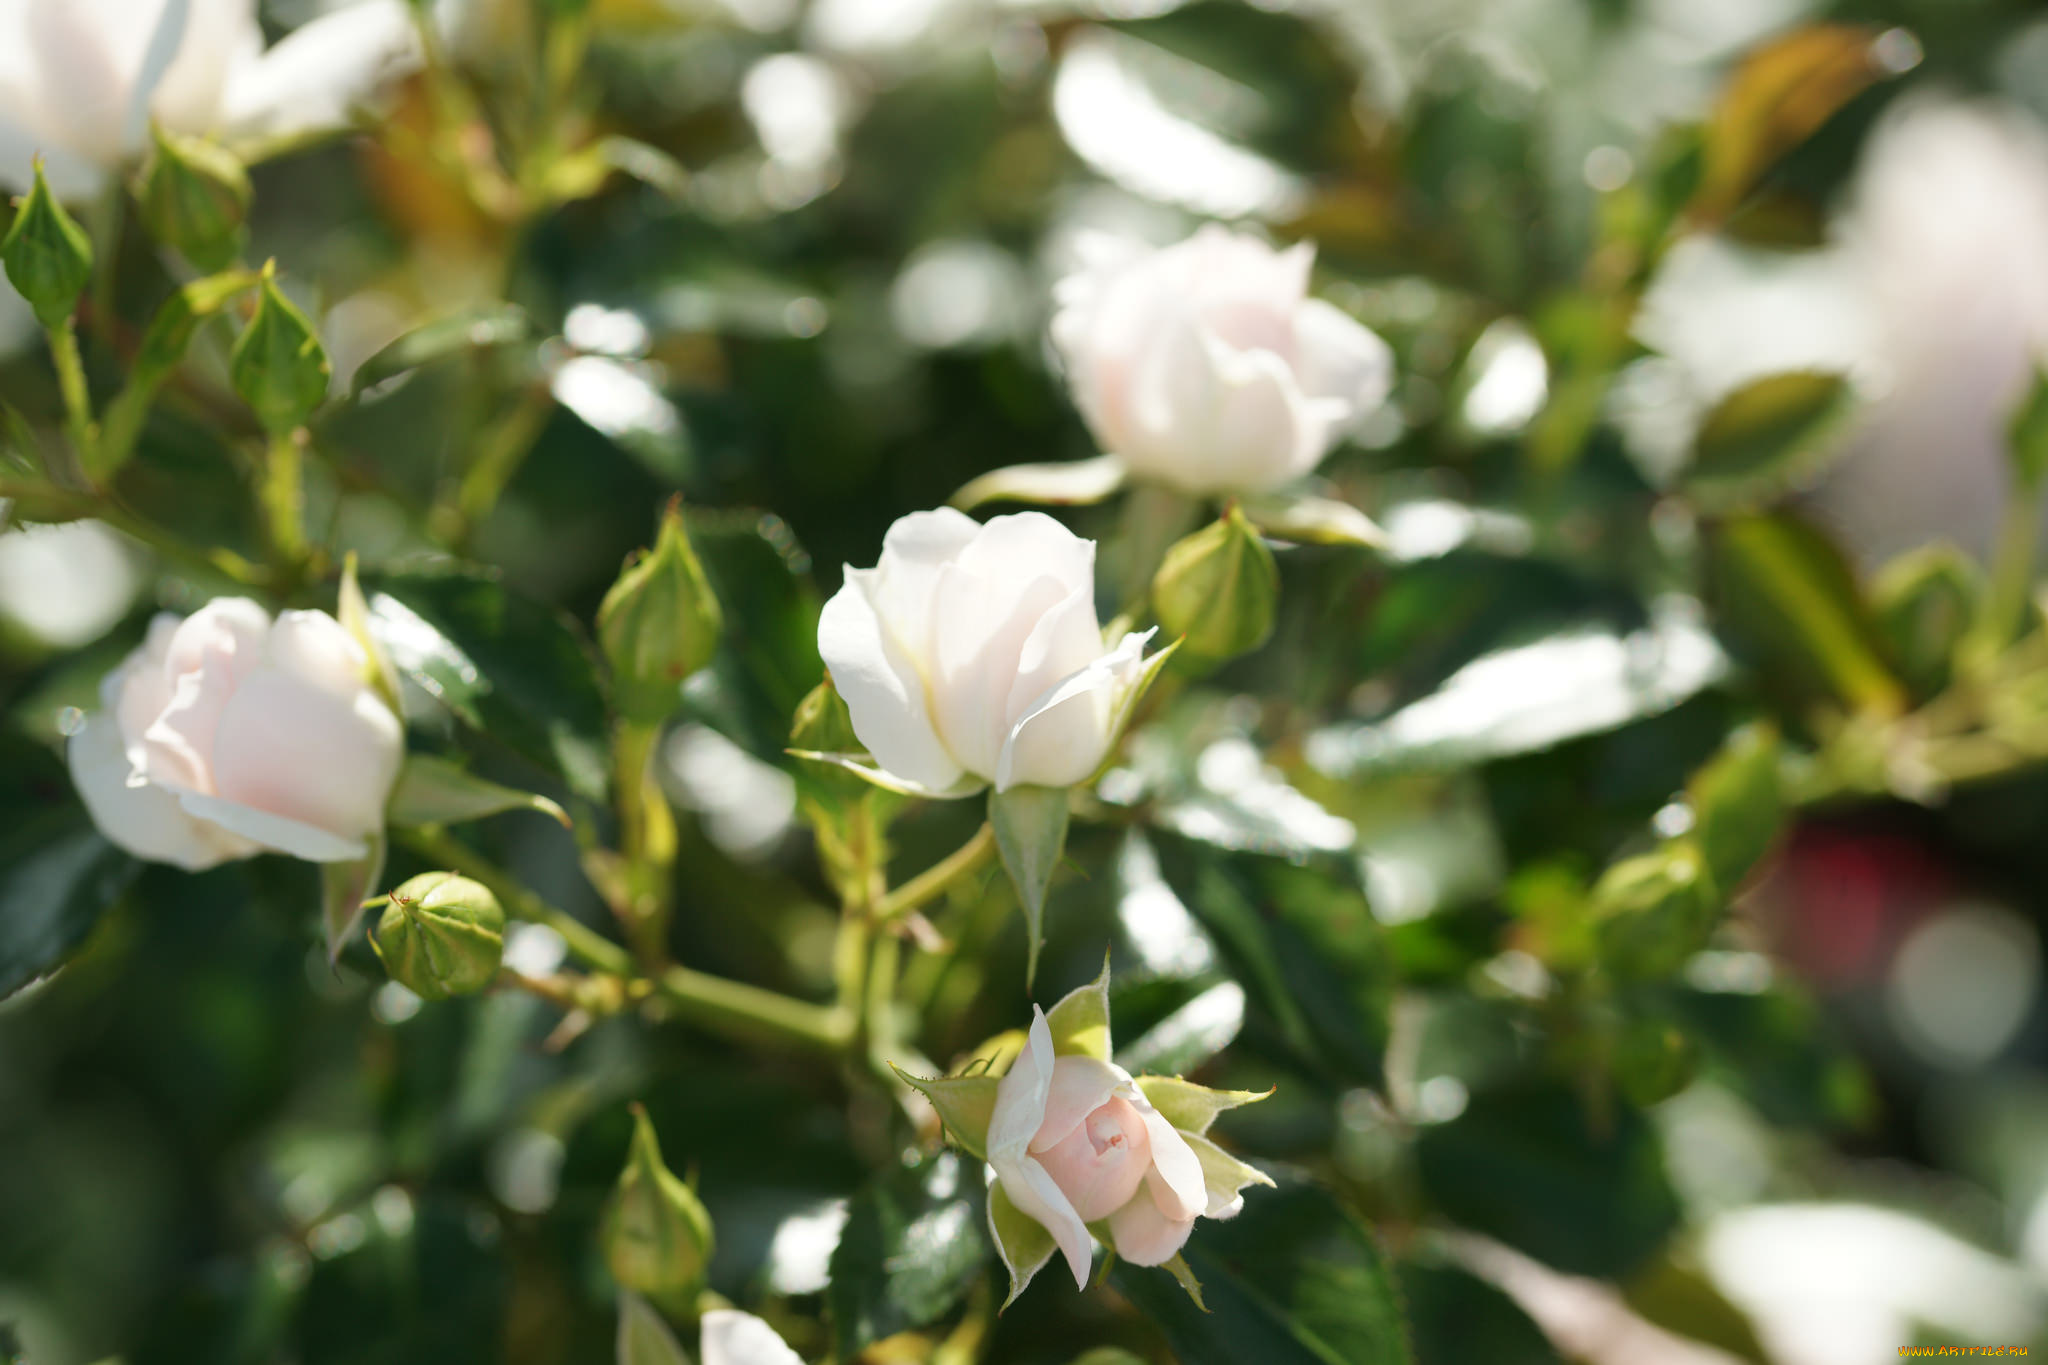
(731, 1337)
(971, 654)
(67, 585)
(80, 79)
(1933, 297)
(228, 733)
(1206, 366)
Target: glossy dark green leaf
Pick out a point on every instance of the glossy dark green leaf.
(1189, 1036)
(1760, 440)
(1302, 941)
(1788, 599)
(1581, 1191)
(1455, 1317)
(767, 660)
(915, 1242)
(1738, 805)
(510, 668)
(1292, 1280)
(58, 874)
(483, 327)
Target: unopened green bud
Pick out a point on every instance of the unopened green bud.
(658, 624)
(47, 254)
(278, 365)
(195, 198)
(1653, 911)
(441, 935)
(1218, 590)
(656, 1234)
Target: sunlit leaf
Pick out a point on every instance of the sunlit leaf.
(1762, 439)
(915, 1241)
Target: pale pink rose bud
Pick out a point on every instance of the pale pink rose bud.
(228, 733)
(1206, 366)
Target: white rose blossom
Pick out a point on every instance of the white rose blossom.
(228, 734)
(1206, 366)
(1073, 1140)
(80, 79)
(730, 1337)
(971, 654)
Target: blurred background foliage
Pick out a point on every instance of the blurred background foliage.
(1631, 880)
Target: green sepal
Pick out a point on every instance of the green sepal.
(47, 255)
(1031, 834)
(1021, 1240)
(1080, 1021)
(965, 1104)
(1190, 1107)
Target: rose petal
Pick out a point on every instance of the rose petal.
(882, 689)
(1032, 1189)
(1080, 1086)
(1176, 1175)
(1021, 1097)
(1143, 1235)
(1063, 736)
(276, 832)
(316, 648)
(731, 1337)
(145, 820)
(310, 755)
(317, 75)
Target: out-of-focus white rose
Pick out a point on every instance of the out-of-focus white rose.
(1206, 366)
(227, 734)
(1073, 1140)
(80, 79)
(1946, 233)
(731, 1337)
(1933, 297)
(971, 654)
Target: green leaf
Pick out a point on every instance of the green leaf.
(1314, 521)
(1079, 1023)
(1764, 438)
(58, 875)
(514, 671)
(767, 658)
(1292, 1280)
(1581, 1192)
(484, 326)
(966, 1105)
(1301, 940)
(1021, 1240)
(1738, 805)
(2028, 433)
(278, 365)
(1190, 1107)
(1924, 603)
(915, 1242)
(644, 1339)
(433, 791)
(1654, 911)
(1457, 1317)
(343, 889)
(1075, 483)
(1191, 1035)
(1785, 596)
(1780, 95)
(1031, 835)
